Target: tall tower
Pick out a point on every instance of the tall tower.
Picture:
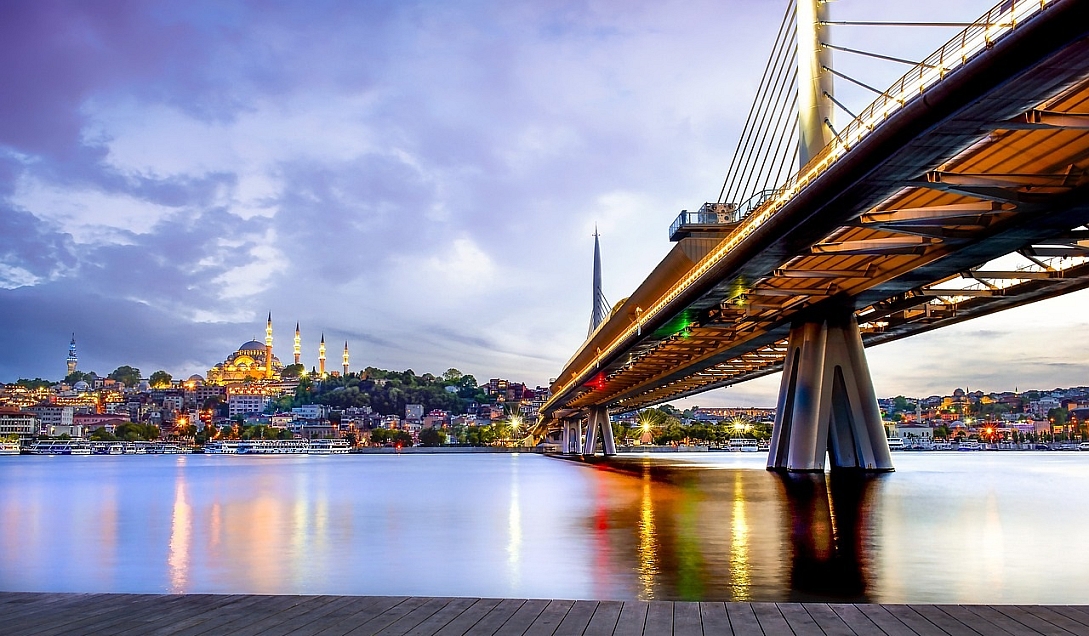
(268, 347)
(814, 80)
(345, 357)
(72, 359)
(600, 306)
(298, 344)
(321, 357)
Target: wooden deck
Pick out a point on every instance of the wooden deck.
(193, 614)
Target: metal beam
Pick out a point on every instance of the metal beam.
(937, 212)
(1044, 120)
(1012, 275)
(875, 246)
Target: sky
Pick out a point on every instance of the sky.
(419, 179)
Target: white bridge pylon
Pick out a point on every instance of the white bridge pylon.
(573, 442)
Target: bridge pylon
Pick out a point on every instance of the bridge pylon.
(598, 420)
(827, 405)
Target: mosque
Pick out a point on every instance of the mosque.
(255, 361)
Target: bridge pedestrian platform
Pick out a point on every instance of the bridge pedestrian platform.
(194, 614)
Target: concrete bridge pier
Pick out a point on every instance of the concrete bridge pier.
(599, 421)
(571, 443)
(827, 404)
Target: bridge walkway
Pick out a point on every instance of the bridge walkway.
(193, 614)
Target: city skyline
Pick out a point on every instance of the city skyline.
(421, 181)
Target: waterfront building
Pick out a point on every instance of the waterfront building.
(242, 400)
(92, 421)
(54, 418)
(14, 421)
(310, 412)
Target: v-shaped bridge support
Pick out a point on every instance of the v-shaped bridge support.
(827, 403)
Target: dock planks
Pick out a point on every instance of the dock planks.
(194, 614)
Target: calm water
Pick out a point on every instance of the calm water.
(946, 527)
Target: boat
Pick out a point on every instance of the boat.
(1083, 446)
(61, 447)
(896, 443)
(107, 448)
(329, 447)
(9, 448)
(274, 447)
(969, 445)
(221, 447)
(744, 445)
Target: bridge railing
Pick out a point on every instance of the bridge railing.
(713, 214)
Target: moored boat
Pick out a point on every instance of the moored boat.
(329, 447)
(274, 447)
(221, 447)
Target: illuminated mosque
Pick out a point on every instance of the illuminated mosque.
(252, 360)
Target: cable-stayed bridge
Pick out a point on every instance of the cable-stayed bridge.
(960, 191)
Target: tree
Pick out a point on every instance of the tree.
(293, 371)
(129, 376)
(900, 403)
(432, 437)
(79, 376)
(160, 379)
(100, 434)
(452, 376)
(36, 383)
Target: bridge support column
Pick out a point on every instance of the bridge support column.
(599, 420)
(827, 403)
(572, 441)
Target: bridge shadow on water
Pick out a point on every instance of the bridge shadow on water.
(704, 531)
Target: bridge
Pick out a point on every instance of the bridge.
(959, 192)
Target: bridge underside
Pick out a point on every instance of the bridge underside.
(987, 167)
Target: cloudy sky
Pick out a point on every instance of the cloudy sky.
(421, 179)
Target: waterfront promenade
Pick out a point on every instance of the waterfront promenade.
(194, 614)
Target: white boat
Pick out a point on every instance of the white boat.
(329, 447)
(221, 447)
(1083, 446)
(274, 447)
(969, 445)
(107, 448)
(61, 447)
(9, 448)
(896, 443)
(744, 445)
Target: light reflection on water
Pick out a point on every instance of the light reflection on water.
(946, 527)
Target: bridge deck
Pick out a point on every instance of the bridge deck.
(193, 614)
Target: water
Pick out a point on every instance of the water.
(978, 527)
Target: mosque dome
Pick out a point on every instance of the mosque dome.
(252, 345)
(82, 386)
(196, 377)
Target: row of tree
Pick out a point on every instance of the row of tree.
(387, 392)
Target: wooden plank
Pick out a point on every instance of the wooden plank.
(491, 622)
(944, 621)
(914, 621)
(1030, 620)
(984, 622)
(268, 613)
(389, 617)
(686, 619)
(429, 608)
(441, 618)
(61, 613)
(771, 619)
(714, 617)
(799, 620)
(32, 613)
(549, 619)
(343, 621)
(659, 618)
(603, 623)
(1056, 619)
(1076, 613)
(172, 614)
(829, 622)
(885, 620)
(854, 619)
(520, 621)
(118, 607)
(633, 618)
(196, 622)
(742, 618)
(471, 616)
(312, 619)
(577, 619)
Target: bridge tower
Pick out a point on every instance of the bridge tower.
(597, 419)
(827, 405)
(600, 308)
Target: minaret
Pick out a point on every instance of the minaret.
(268, 348)
(298, 344)
(345, 357)
(321, 357)
(72, 359)
(600, 306)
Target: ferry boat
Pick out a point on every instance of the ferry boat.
(744, 445)
(969, 445)
(107, 448)
(9, 448)
(329, 447)
(221, 447)
(896, 443)
(167, 448)
(61, 447)
(274, 447)
(1084, 446)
